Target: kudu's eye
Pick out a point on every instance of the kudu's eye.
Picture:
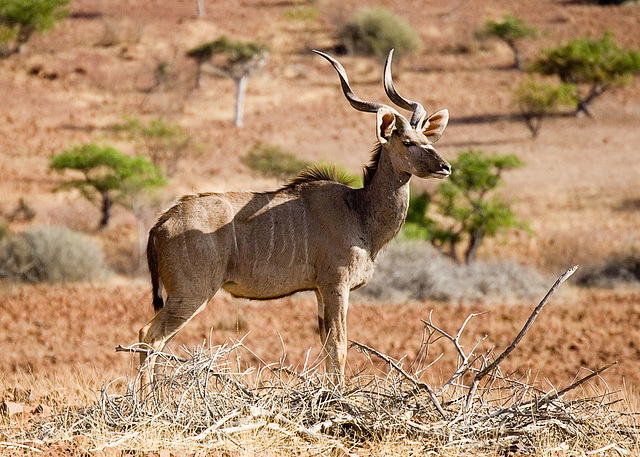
(407, 143)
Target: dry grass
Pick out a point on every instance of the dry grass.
(207, 403)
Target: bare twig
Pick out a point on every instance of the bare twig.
(466, 364)
(527, 325)
(559, 394)
(137, 349)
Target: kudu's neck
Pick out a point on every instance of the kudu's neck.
(386, 200)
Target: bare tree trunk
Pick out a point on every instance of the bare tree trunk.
(200, 8)
(583, 103)
(517, 56)
(241, 86)
(452, 251)
(107, 203)
(533, 123)
(199, 75)
(475, 241)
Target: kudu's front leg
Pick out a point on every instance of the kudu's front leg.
(333, 302)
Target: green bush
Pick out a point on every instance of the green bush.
(19, 19)
(510, 29)
(106, 175)
(417, 225)
(50, 254)
(469, 210)
(600, 64)
(537, 99)
(377, 31)
(273, 161)
(166, 144)
(240, 60)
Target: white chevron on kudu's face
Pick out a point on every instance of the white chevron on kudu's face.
(315, 233)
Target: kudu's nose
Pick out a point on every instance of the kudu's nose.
(445, 167)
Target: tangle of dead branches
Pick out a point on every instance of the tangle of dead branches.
(205, 402)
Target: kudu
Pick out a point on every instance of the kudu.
(313, 234)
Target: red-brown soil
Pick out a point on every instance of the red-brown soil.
(51, 331)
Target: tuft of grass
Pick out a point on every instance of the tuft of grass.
(50, 254)
(303, 13)
(414, 270)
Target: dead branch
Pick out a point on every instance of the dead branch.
(407, 376)
(560, 394)
(483, 372)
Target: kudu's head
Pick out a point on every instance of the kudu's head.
(409, 143)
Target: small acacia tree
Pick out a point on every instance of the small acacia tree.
(273, 161)
(20, 19)
(239, 60)
(375, 31)
(510, 30)
(537, 99)
(599, 64)
(107, 176)
(469, 211)
(166, 144)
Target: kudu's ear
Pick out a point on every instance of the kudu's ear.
(385, 123)
(435, 124)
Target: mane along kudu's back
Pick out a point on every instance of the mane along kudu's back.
(315, 233)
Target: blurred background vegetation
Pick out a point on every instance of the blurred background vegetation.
(152, 146)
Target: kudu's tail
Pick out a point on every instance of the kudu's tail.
(152, 260)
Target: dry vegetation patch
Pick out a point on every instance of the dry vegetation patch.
(417, 271)
(206, 402)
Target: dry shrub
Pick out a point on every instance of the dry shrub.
(50, 254)
(117, 31)
(207, 403)
(417, 271)
(375, 31)
(619, 270)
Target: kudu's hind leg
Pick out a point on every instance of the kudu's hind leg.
(322, 329)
